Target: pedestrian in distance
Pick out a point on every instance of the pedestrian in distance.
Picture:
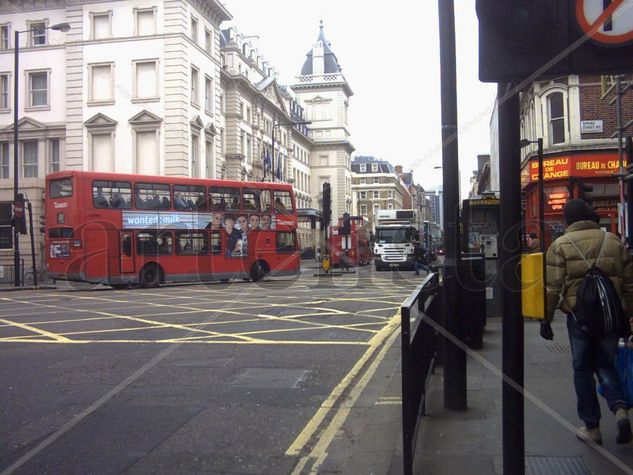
(573, 260)
(419, 254)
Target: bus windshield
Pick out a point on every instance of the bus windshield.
(394, 235)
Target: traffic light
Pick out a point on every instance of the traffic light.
(327, 206)
(19, 214)
(43, 224)
(347, 225)
(521, 39)
(583, 189)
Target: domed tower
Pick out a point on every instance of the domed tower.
(324, 93)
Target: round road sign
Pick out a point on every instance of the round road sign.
(18, 209)
(606, 22)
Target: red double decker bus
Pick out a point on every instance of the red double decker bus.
(123, 230)
(355, 248)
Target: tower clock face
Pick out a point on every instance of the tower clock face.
(606, 22)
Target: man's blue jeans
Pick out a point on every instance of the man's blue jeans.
(594, 356)
(420, 266)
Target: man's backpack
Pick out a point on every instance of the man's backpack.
(598, 309)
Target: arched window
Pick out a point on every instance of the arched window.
(556, 117)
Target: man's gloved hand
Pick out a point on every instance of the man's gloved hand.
(546, 331)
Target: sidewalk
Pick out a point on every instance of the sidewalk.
(470, 442)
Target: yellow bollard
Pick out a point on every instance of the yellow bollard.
(326, 263)
(532, 290)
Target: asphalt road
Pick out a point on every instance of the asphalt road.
(209, 378)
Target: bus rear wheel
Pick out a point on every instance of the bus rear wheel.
(150, 276)
(259, 271)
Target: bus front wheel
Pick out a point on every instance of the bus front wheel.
(150, 276)
(258, 271)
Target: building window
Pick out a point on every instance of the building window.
(208, 158)
(390, 194)
(38, 88)
(376, 195)
(194, 30)
(101, 151)
(29, 159)
(53, 163)
(146, 80)
(5, 99)
(195, 150)
(363, 168)
(362, 195)
(4, 36)
(101, 25)
(221, 102)
(208, 95)
(38, 32)
(194, 85)
(363, 210)
(376, 180)
(146, 152)
(376, 209)
(5, 160)
(389, 205)
(363, 181)
(145, 21)
(374, 167)
(222, 144)
(208, 41)
(556, 109)
(101, 83)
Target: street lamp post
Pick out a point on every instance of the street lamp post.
(277, 124)
(63, 27)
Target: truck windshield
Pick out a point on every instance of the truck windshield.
(394, 236)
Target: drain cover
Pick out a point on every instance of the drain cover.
(559, 349)
(556, 466)
(271, 378)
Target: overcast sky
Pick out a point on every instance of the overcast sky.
(389, 53)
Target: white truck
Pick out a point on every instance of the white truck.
(396, 231)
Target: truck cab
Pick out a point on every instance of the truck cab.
(394, 237)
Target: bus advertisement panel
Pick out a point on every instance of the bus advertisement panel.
(125, 230)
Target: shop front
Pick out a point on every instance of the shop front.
(590, 176)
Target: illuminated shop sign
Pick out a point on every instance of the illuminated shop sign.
(564, 167)
(556, 201)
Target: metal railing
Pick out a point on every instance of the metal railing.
(7, 273)
(419, 353)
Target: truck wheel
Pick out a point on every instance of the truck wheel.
(150, 276)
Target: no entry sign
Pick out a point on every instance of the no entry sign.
(607, 22)
(18, 209)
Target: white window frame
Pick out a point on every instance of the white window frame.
(363, 181)
(376, 195)
(92, 24)
(208, 157)
(30, 25)
(5, 93)
(363, 167)
(195, 153)
(91, 135)
(362, 195)
(208, 94)
(363, 210)
(91, 100)
(208, 41)
(390, 194)
(194, 27)
(374, 167)
(563, 118)
(376, 180)
(5, 42)
(29, 93)
(136, 97)
(138, 11)
(389, 205)
(5, 160)
(195, 85)
(51, 168)
(37, 158)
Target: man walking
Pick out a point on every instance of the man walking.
(568, 259)
(418, 257)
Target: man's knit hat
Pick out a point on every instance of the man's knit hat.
(577, 210)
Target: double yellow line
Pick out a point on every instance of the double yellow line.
(342, 410)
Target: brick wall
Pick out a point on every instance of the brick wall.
(592, 107)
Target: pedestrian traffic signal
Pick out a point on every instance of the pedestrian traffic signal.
(347, 225)
(19, 216)
(327, 206)
(43, 224)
